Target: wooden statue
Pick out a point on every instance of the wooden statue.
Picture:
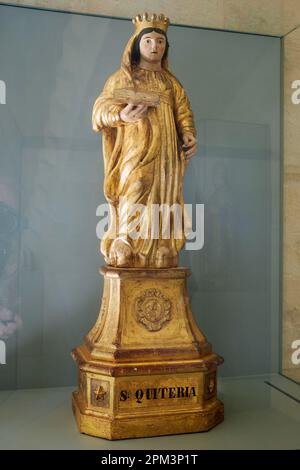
(145, 368)
(146, 119)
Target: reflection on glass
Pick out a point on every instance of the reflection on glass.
(51, 184)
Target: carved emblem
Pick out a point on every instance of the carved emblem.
(153, 309)
(210, 384)
(100, 393)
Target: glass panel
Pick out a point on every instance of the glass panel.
(51, 175)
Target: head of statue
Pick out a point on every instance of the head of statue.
(151, 44)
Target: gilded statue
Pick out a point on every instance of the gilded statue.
(149, 136)
(145, 349)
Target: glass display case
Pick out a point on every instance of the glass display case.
(53, 65)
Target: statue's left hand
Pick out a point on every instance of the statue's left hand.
(189, 145)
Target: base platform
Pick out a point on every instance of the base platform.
(145, 368)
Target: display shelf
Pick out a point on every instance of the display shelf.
(258, 416)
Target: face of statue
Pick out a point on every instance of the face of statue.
(152, 47)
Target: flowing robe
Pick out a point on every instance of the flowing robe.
(144, 164)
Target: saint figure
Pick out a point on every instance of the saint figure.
(149, 136)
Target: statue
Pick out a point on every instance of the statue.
(146, 147)
(145, 368)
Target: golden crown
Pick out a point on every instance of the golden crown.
(150, 21)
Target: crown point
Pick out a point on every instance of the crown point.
(147, 20)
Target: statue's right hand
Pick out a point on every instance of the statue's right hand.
(133, 112)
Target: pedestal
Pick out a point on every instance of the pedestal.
(145, 368)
